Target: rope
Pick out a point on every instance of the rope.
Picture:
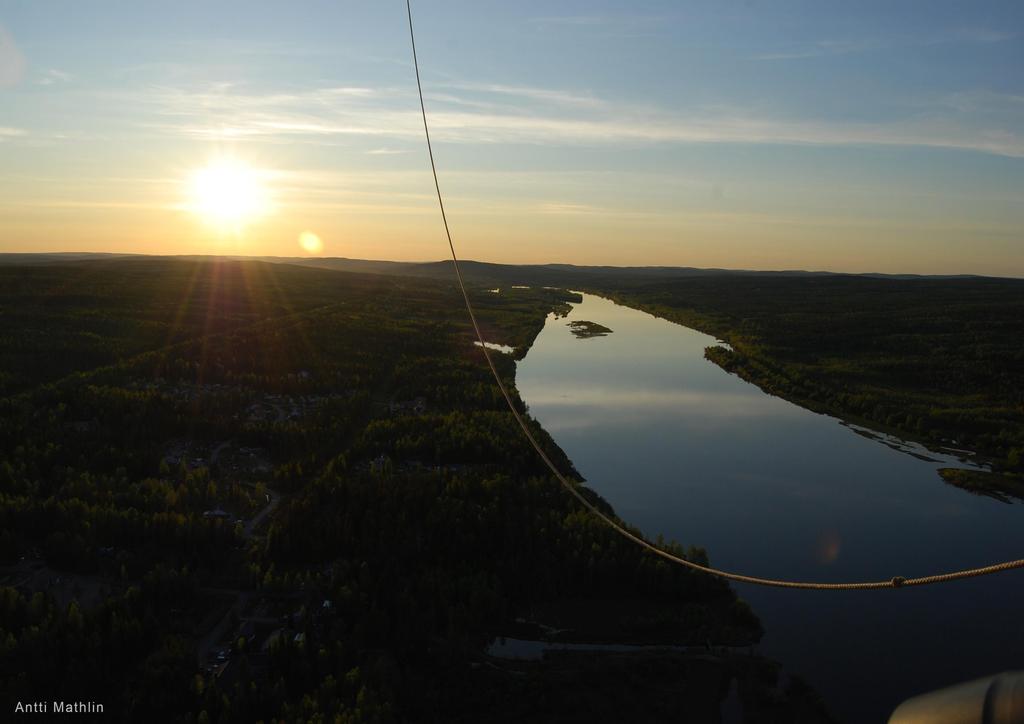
(573, 489)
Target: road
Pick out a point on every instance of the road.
(273, 499)
(220, 630)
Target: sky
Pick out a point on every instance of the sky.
(867, 136)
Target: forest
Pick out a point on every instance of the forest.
(234, 491)
(933, 359)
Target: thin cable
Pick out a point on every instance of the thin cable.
(894, 582)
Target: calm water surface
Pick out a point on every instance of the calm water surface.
(681, 448)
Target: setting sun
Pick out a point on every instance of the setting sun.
(228, 194)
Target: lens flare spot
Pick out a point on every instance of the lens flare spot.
(310, 242)
(828, 547)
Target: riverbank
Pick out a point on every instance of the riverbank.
(646, 686)
(1001, 486)
(682, 449)
(931, 361)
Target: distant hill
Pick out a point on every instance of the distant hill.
(60, 257)
(490, 273)
(479, 272)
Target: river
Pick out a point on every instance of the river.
(681, 448)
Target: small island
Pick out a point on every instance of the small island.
(585, 330)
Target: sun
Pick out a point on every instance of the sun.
(228, 193)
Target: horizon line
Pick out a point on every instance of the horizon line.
(668, 267)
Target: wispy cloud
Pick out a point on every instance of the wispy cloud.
(58, 203)
(542, 117)
(982, 36)
(11, 132)
(831, 47)
(617, 26)
(578, 20)
(54, 76)
(820, 48)
(565, 208)
(981, 101)
(546, 95)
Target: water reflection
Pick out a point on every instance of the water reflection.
(681, 448)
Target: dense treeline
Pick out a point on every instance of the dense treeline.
(423, 570)
(133, 651)
(233, 492)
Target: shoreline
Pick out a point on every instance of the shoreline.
(727, 355)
